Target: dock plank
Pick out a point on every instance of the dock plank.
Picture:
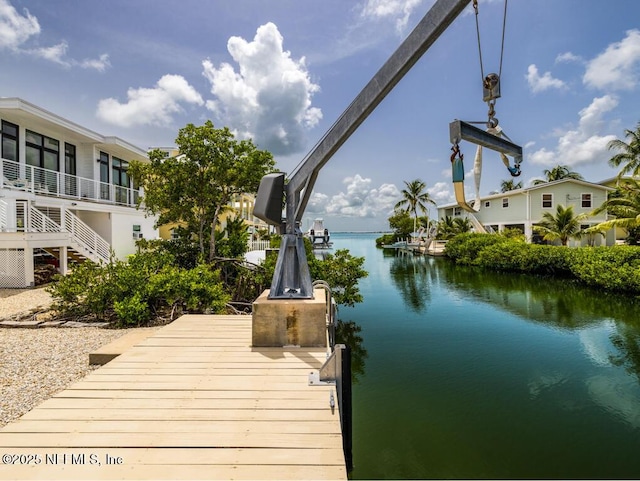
(192, 401)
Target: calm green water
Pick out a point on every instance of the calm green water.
(467, 374)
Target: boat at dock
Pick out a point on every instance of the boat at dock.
(319, 235)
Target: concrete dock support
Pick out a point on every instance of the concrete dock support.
(295, 322)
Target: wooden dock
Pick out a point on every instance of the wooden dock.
(193, 401)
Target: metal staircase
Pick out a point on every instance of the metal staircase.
(82, 241)
(477, 225)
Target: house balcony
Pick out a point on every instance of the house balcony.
(39, 181)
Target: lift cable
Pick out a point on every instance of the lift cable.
(491, 92)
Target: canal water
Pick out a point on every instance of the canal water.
(461, 373)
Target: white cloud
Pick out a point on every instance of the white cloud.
(539, 83)
(100, 64)
(584, 144)
(58, 54)
(441, 192)
(359, 200)
(618, 67)
(55, 53)
(150, 106)
(568, 57)
(16, 29)
(269, 98)
(398, 10)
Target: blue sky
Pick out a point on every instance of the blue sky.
(282, 71)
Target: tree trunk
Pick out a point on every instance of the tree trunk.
(212, 240)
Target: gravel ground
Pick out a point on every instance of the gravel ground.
(17, 301)
(37, 363)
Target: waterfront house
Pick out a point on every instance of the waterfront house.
(523, 208)
(65, 194)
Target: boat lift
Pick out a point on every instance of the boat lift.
(291, 278)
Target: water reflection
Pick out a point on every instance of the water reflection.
(561, 303)
(607, 323)
(618, 395)
(348, 333)
(412, 275)
(626, 339)
(474, 374)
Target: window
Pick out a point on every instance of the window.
(505, 202)
(487, 204)
(9, 149)
(586, 201)
(9, 141)
(103, 160)
(43, 153)
(547, 201)
(457, 211)
(70, 159)
(119, 169)
(70, 181)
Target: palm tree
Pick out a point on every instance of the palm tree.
(414, 198)
(624, 204)
(446, 228)
(507, 185)
(558, 172)
(561, 226)
(629, 155)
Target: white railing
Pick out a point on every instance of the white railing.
(82, 237)
(259, 245)
(476, 223)
(39, 222)
(49, 182)
(86, 237)
(4, 220)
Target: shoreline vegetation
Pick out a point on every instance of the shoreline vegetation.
(613, 268)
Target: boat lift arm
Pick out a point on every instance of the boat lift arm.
(291, 278)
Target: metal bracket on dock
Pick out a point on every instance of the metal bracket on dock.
(337, 371)
(331, 371)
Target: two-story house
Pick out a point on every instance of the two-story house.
(524, 208)
(65, 192)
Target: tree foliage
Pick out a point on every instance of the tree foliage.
(558, 172)
(614, 268)
(510, 184)
(133, 293)
(561, 226)
(414, 198)
(628, 156)
(449, 227)
(192, 188)
(624, 205)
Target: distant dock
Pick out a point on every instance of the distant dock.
(432, 248)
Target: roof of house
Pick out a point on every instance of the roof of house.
(30, 112)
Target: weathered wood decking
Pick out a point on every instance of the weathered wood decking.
(193, 401)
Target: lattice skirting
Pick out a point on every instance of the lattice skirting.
(12, 271)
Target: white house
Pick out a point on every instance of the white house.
(65, 192)
(524, 208)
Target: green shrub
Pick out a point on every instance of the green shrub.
(386, 239)
(464, 248)
(133, 293)
(132, 310)
(612, 268)
(521, 257)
